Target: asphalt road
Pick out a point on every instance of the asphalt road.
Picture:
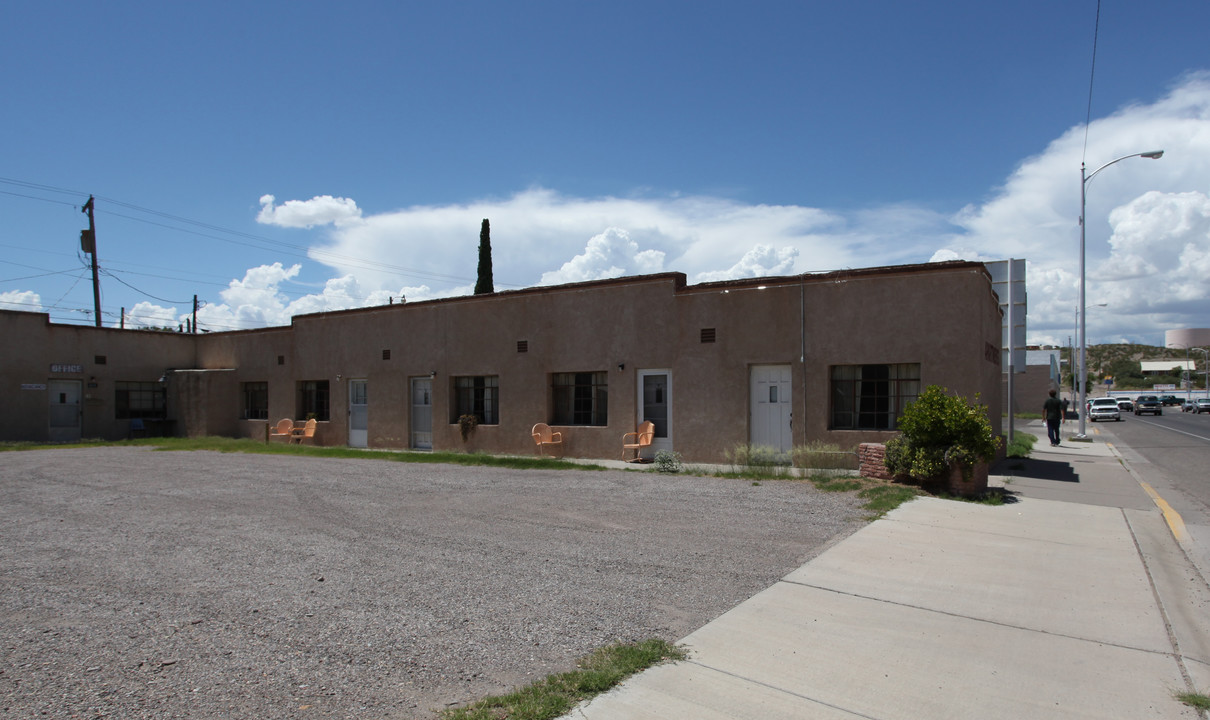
(144, 584)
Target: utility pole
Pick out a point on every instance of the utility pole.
(88, 243)
(194, 331)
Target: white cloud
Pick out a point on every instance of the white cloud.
(258, 300)
(150, 315)
(319, 210)
(760, 261)
(608, 255)
(1142, 215)
(1147, 247)
(26, 300)
(540, 236)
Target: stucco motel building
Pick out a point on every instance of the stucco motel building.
(776, 361)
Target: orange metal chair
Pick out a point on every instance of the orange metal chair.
(284, 428)
(636, 441)
(306, 432)
(545, 437)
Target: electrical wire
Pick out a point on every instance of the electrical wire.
(206, 230)
(108, 274)
(256, 241)
(1092, 73)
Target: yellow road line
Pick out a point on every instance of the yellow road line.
(1175, 522)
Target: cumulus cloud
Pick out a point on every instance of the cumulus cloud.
(319, 210)
(1142, 216)
(760, 261)
(608, 255)
(150, 315)
(1147, 230)
(26, 300)
(541, 236)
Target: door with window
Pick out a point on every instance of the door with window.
(422, 413)
(359, 414)
(64, 398)
(655, 404)
(769, 393)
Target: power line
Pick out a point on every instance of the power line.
(259, 242)
(143, 292)
(1092, 73)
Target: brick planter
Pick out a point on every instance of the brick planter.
(956, 484)
(871, 458)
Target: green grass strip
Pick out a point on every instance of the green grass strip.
(1022, 444)
(1195, 700)
(246, 445)
(557, 694)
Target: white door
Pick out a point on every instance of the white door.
(655, 404)
(359, 414)
(64, 410)
(422, 413)
(769, 395)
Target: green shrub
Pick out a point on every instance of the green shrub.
(1022, 444)
(667, 461)
(821, 455)
(937, 431)
(756, 456)
(757, 461)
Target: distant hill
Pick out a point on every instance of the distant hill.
(1121, 361)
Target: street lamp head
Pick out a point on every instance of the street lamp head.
(1154, 154)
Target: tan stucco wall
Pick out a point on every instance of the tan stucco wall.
(31, 345)
(943, 316)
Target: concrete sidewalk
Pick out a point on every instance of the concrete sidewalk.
(1076, 605)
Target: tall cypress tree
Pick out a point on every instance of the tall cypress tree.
(484, 283)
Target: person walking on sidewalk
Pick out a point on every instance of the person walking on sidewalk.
(1053, 410)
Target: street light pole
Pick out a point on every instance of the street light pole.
(1085, 177)
(1205, 370)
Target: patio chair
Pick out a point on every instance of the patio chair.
(304, 433)
(638, 440)
(545, 437)
(283, 429)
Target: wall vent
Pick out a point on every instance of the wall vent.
(281, 359)
(386, 354)
(708, 335)
(100, 359)
(522, 346)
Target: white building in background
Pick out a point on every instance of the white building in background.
(1187, 338)
(1163, 367)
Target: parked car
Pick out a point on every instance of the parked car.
(1170, 400)
(1125, 404)
(1104, 408)
(1148, 404)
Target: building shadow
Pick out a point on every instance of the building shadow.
(1036, 469)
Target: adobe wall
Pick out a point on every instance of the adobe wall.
(36, 352)
(943, 316)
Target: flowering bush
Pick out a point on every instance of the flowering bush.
(939, 431)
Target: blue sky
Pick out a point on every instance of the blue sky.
(279, 158)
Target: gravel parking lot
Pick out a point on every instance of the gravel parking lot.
(144, 584)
